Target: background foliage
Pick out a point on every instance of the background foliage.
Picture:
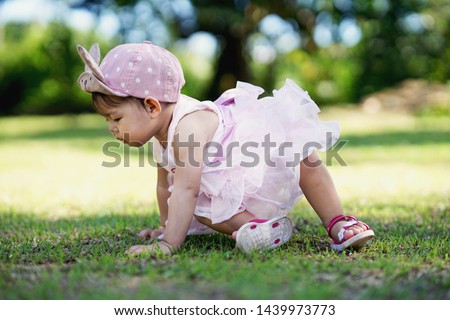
(338, 50)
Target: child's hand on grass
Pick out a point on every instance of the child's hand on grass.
(161, 247)
(150, 233)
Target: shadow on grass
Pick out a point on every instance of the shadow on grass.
(93, 139)
(67, 134)
(114, 233)
(392, 138)
(398, 138)
(83, 257)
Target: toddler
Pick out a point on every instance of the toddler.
(236, 165)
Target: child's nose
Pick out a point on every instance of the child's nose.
(113, 128)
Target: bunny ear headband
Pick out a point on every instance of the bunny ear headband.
(92, 79)
(134, 69)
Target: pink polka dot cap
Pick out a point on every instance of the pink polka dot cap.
(135, 69)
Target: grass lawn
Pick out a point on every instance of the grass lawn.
(66, 220)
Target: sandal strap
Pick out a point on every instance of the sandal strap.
(259, 220)
(339, 218)
(351, 221)
(344, 228)
(333, 222)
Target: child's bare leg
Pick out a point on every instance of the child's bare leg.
(318, 187)
(229, 226)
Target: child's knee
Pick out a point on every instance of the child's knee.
(202, 220)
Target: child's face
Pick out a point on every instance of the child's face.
(130, 123)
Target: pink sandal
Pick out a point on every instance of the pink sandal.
(264, 234)
(355, 241)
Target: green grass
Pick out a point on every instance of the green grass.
(65, 220)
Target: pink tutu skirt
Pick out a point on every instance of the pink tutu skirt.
(254, 158)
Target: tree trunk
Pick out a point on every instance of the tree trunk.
(231, 66)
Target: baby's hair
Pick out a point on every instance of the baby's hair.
(103, 102)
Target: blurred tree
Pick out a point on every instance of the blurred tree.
(341, 51)
(402, 39)
(231, 21)
(38, 70)
(394, 45)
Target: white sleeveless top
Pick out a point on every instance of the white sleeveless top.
(246, 175)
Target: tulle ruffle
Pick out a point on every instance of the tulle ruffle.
(270, 136)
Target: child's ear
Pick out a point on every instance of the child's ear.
(152, 106)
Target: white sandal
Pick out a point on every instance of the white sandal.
(264, 234)
(356, 241)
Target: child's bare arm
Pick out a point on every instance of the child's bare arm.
(200, 126)
(162, 193)
(181, 208)
(193, 133)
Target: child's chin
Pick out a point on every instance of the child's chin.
(134, 144)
